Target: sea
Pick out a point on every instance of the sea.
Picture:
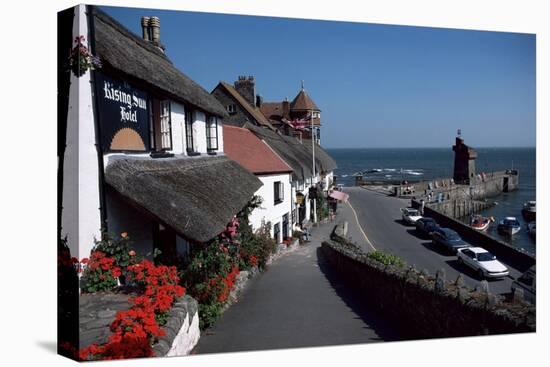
(413, 164)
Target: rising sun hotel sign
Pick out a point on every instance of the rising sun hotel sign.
(123, 115)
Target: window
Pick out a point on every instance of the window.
(285, 226)
(189, 130)
(278, 193)
(276, 232)
(211, 133)
(231, 108)
(160, 125)
(151, 124)
(165, 126)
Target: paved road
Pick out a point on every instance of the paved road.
(297, 302)
(380, 218)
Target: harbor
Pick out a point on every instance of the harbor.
(389, 167)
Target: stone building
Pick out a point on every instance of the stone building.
(465, 166)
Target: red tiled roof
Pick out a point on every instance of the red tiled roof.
(272, 110)
(245, 148)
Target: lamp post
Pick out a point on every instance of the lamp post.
(313, 164)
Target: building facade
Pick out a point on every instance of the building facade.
(254, 154)
(144, 148)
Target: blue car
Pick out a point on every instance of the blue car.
(426, 226)
(449, 239)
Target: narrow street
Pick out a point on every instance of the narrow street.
(297, 302)
(380, 218)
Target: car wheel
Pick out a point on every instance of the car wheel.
(480, 274)
(460, 261)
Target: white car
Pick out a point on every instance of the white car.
(483, 262)
(410, 215)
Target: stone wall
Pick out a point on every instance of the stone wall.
(97, 311)
(425, 306)
(182, 329)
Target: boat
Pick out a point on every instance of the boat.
(509, 226)
(480, 223)
(529, 211)
(532, 229)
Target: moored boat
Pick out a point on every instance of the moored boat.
(529, 211)
(509, 226)
(480, 223)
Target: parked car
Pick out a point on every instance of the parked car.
(448, 238)
(410, 215)
(483, 262)
(426, 225)
(527, 282)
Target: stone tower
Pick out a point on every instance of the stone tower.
(465, 164)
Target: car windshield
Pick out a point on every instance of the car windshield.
(452, 236)
(412, 212)
(485, 256)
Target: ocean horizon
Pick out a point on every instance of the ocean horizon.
(415, 164)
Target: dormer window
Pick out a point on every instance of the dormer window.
(211, 133)
(231, 108)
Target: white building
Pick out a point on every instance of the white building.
(255, 155)
(144, 147)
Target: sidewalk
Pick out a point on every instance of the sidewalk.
(297, 302)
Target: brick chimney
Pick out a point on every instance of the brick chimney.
(246, 86)
(286, 109)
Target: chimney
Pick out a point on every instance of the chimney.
(286, 109)
(259, 101)
(154, 25)
(246, 86)
(145, 27)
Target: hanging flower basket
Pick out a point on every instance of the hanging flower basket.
(81, 59)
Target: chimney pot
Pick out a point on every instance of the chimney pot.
(154, 23)
(145, 28)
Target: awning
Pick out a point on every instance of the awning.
(197, 197)
(339, 195)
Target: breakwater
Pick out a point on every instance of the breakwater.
(424, 305)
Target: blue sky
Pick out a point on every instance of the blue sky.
(377, 85)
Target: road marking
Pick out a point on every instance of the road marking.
(359, 225)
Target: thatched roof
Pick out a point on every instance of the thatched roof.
(197, 197)
(296, 154)
(122, 50)
(293, 155)
(324, 161)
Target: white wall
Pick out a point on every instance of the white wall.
(80, 218)
(269, 212)
(220, 135)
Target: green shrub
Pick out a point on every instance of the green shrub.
(385, 258)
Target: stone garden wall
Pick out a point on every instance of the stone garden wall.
(424, 306)
(97, 311)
